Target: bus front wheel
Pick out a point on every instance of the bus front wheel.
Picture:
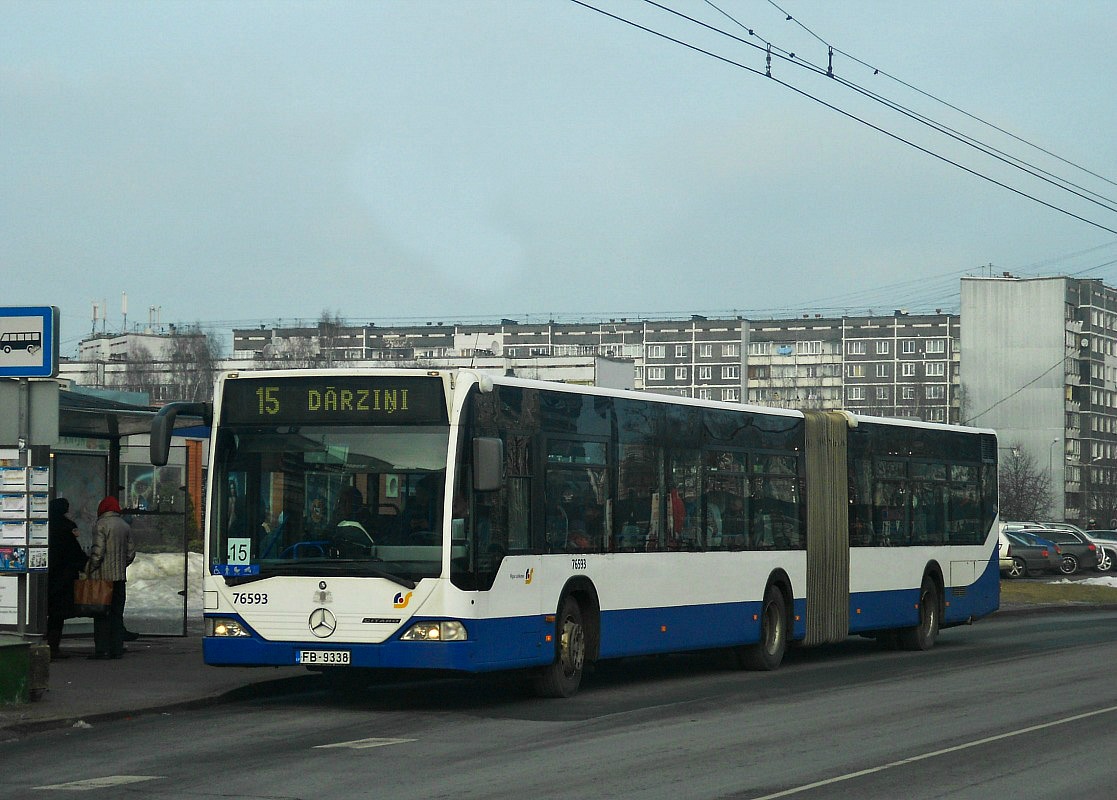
(562, 677)
(922, 635)
(767, 654)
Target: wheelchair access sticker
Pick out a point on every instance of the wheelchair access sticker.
(235, 570)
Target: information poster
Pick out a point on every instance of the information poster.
(13, 506)
(37, 559)
(39, 479)
(38, 533)
(9, 600)
(13, 532)
(13, 479)
(13, 559)
(38, 505)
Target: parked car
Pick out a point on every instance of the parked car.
(1077, 551)
(1107, 548)
(1029, 556)
(1002, 551)
(1013, 527)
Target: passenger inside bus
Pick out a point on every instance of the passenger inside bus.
(421, 515)
(713, 504)
(631, 521)
(734, 523)
(272, 536)
(594, 529)
(349, 537)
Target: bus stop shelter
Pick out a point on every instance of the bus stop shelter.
(96, 455)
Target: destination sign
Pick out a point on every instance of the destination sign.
(346, 400)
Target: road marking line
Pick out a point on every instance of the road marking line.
(937, 753)
(100, 783)
(362, 744)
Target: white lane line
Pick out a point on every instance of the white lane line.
(361, 744)
(936, 753)
(100, 783)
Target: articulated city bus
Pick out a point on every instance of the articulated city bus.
(452, 520)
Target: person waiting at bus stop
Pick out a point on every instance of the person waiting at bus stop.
(66, 560)
(112, 551)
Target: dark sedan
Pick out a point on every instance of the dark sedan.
(1029, 557)
(1078, 552)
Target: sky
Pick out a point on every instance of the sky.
(235, 164)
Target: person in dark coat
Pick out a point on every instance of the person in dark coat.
(65, 560)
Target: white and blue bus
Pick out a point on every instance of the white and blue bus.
(453, 520)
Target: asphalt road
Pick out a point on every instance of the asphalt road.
(1020, 706)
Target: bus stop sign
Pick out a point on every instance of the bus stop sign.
(28, 341)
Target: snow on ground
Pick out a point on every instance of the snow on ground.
(1106, 581)
(155, 583)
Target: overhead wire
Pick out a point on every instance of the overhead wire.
(988, 150)
(877, 70)
(970, 420)
(1032, 169)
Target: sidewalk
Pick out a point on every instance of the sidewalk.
(157, 673)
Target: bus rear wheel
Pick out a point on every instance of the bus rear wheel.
(563, 677)
(922, 635)
(767, 654)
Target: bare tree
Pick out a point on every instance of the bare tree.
(139, 374)
(330, 330)
(962, 395)
(1025, 489)
(192, 365)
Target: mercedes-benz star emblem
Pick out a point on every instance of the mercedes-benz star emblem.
(322, 623)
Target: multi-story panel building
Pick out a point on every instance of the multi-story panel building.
(1040, 366)
(903, 365)
(693, 358)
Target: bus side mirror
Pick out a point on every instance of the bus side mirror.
(488, 463)
(164, 424)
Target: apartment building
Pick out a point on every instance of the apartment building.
(900, 365)
(1041, 367)
(1036, 360)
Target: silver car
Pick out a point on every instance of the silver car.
(1107, 548)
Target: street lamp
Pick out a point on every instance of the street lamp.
(1051, 476)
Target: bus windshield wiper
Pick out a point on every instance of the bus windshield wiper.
(338, 567)
(407, 583)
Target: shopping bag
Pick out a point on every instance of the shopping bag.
(92, 596)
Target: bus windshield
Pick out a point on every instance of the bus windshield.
(328, 500)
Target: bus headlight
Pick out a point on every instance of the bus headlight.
(442, 631)
(226, 626)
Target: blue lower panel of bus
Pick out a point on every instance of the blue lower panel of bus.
(870, 611)
(660, 630)
(493, 644)
(516, 642)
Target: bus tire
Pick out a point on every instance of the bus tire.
(922, 635)
(562, 677)
(767, 654)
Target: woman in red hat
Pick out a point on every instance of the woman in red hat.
(112, 551)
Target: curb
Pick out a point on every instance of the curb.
(252, 691)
